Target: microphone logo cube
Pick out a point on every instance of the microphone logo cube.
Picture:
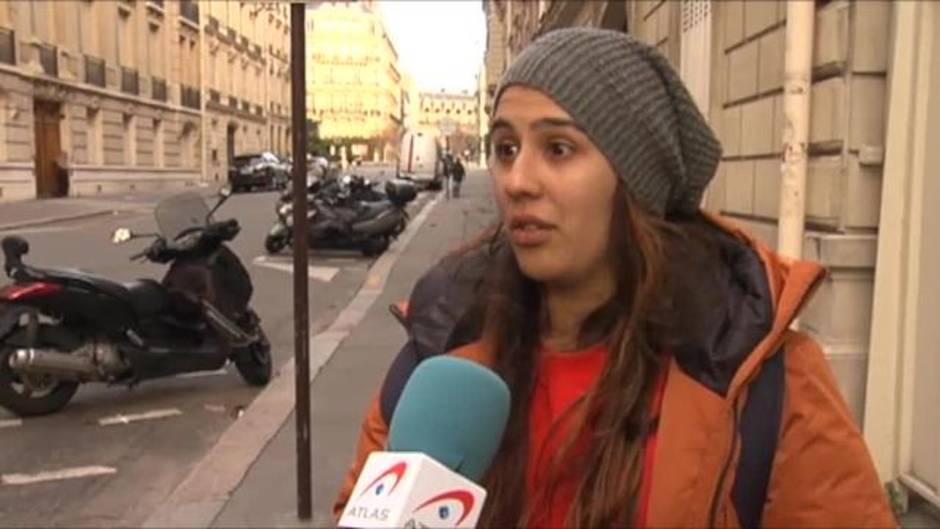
(408, 489)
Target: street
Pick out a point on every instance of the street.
(112, 452)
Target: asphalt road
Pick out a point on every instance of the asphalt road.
(113, 475)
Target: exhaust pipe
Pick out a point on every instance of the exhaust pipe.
(49, 362)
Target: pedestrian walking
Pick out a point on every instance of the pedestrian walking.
(655, 379)
(459, 172)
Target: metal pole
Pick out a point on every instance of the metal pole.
(301, 302)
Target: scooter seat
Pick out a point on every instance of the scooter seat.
(367, 210)
(145, 296)
(84, 279)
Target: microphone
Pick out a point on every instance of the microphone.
(444, 433)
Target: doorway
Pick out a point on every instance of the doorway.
(52, 179)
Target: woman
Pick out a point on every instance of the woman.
(634, 330)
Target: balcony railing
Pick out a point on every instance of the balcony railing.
(158, 3)
(232, 35)
(158, 89)
(244, 42)
(259, 110)
(213, 25)
(233, 102)
(7, 46)
(190, 11)
(94, 71)
(189, 97)
(49, 59)
(246, 106)
(214, 96)
(130, 81)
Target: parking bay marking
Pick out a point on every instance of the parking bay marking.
(320, 273)
(136, 417)
(55, 475)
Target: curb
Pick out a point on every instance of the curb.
(199, 499)
(55, 220)
(204, 191)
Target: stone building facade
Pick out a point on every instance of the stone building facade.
(354, 84)
(247, 79)
(110, 96)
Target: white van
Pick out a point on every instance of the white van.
(420, 158)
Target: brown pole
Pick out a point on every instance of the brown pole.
(301, 302)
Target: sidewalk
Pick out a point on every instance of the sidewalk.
(366, 338)
(29, 213)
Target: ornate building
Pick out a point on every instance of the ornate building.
(104, 96)
(354, 85)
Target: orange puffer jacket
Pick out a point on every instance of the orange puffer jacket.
(822, 474)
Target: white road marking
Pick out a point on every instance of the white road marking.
(214, 408)
(55, 475)
(11, 423)
(200, 374)
(134, 417)
(319, 273)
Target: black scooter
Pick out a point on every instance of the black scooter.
(338, 220)
(60, 328)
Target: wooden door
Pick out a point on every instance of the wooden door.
(48, 149)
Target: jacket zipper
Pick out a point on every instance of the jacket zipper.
(713, 511)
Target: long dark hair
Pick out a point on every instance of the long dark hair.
(635, 324)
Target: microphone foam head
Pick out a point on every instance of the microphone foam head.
(454, 411)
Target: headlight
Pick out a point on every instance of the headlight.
(285, 210)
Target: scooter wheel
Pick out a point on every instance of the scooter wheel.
(274, 245)
(254, 361)
(24, 399)
(375, 247)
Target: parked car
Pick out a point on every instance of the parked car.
(257, 171)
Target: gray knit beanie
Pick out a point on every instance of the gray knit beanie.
(632, 105)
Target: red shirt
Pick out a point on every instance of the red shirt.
(562, 378)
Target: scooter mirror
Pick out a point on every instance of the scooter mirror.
(121, 235)
(225, 191)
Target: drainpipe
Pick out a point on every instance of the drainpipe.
(203, 95)
(801, 16)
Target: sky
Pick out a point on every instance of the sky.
(440, 43)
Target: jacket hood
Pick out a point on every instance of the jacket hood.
(747, 302)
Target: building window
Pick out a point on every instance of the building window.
(158, 143)
(125, 39)
(155, 47)
(188, 145)
(95, 136)
(130, 140)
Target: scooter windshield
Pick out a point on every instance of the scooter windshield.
(178, 213)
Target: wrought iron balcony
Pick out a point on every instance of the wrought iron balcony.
(189, 97)
(130, 81)
(49, 59)
(94, 71)
(190, 11)
(7, 46)
(158, 89)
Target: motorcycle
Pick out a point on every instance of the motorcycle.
(60, 328)
(337, 220)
